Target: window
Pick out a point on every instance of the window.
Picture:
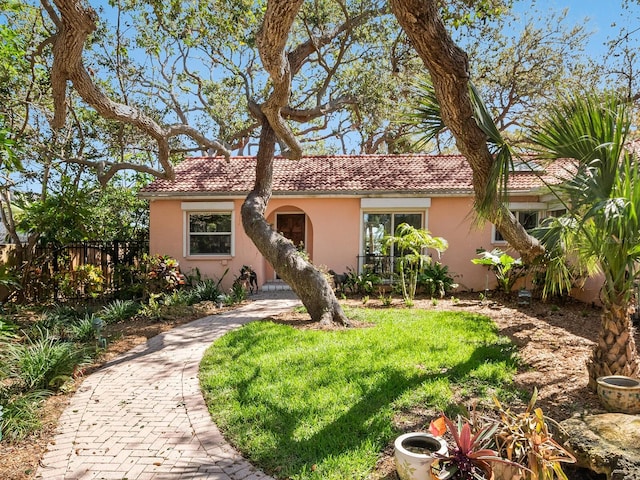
(379, 225)
(209, 233)
(527, 218)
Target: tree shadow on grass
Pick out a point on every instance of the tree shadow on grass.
(364, 425)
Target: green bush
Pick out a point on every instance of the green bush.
(363, 283)
(45, 362)
(119, 310)
(435, 280)
(206, 290)
(84, 330)
(178, 298)
(20, 415)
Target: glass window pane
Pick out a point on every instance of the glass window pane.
(376, 227)
(529, 220)
(209, 244)
(413, 219)
(209, 222)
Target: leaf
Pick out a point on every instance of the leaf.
(438, 427)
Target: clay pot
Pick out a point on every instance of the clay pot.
(618, 393)
(414, 454)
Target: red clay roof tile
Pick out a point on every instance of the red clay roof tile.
(335, 174)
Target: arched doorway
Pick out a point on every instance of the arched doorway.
(293, 227)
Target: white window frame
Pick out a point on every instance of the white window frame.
(392, 205)
(207, 208)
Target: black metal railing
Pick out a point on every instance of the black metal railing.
(384, 266)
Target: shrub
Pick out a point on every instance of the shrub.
(153, 308)
(119, 310)
(435, 280)
(45, 362)
(206, 290)
(84, 330)
(364, 283)
(238, 293)
(506, 268)
(83, 280)
(7, 328)
(20, 415)
(163, 273)
(178, 298)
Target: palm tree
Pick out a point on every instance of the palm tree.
(410, 243)
(602, 223)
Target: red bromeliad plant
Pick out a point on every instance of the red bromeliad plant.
(471, 457)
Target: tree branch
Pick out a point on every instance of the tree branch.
(77, 22)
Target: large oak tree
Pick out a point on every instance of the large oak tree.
(318, 58)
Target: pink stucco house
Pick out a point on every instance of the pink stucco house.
(339, 207)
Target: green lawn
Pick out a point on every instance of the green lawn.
(306, 404)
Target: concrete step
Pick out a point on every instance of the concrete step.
(275, 286)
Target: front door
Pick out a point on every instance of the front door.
(292, 226)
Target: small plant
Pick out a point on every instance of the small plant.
(153, 309)
(435, 280)
(364, 283)
(84, 330)
(525, 439)
(20, 415)
(45, 362)
(238, 292)
(455, 300)
(434, 302)
(7, 328)
(206, 290)
(386, 300)
(408, 302)
(178, 298)
(506, 268)
(119, 310)
(365, 299)
(470, 458)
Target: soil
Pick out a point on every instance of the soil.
(554, 342)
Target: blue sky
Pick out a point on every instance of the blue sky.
(601, 14)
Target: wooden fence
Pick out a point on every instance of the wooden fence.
(79, 270)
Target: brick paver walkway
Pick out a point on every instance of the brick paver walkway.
(142, 415)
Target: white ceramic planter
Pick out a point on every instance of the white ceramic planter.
(619, 393)
(417, 466)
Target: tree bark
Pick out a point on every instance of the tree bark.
(448, 66)
(307, 282)
(616, 352)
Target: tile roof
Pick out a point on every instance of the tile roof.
(332, 174)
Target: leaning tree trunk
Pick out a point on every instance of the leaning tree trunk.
(616, 352)
(307, 282)
(449, 69)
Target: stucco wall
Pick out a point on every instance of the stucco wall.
(332, 236)
(333, 229)
(451, 218)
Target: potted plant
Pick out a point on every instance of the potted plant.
(414, 452)
(470, 458)
(526, 440)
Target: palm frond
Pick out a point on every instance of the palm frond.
(426, 119)
(500, 150)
